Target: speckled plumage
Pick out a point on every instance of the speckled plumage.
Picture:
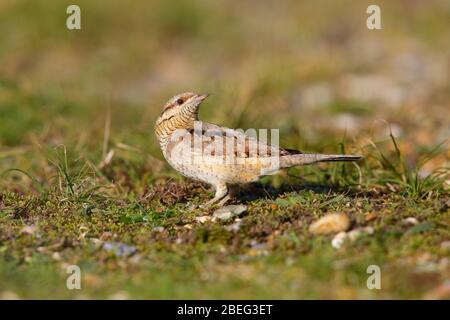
(217, 155)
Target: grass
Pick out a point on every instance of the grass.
(80, 167)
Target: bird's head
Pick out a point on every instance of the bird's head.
(179, 112)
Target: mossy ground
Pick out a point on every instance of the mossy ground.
(80, 165)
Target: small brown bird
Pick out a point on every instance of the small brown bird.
(220, 156)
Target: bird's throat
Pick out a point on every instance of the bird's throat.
(165, 128)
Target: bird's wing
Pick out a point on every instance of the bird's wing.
(211, 140)
(217, 141)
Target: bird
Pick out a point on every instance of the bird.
(219, 156)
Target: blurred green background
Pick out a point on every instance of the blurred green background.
(311, 69)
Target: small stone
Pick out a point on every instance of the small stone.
(97, 243)
(223, 215)
(119, 249)
(352, 235)
(410, 220)
(228, 212)
(356, 233)
(331, 223)
(158, 229)
(369, 216)
(338, 240)
(120, 295)
(9, 295)
(203, 219)
(235, 226)
(368, 230)
(56, 256)
(29, 229)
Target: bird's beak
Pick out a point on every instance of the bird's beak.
(194, 102)
(201, 97)
(198, 99)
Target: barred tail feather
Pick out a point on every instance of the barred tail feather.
(304, 159)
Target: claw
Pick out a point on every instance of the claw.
(192, 206)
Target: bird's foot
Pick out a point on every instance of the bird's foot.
(215, 202)
(192, 206)
(222, 202)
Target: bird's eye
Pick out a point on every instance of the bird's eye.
(180, 101)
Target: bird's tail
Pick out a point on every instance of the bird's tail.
(304, 159)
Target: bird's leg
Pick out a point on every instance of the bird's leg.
(221, 192)
(232, 192)
(224, 200)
